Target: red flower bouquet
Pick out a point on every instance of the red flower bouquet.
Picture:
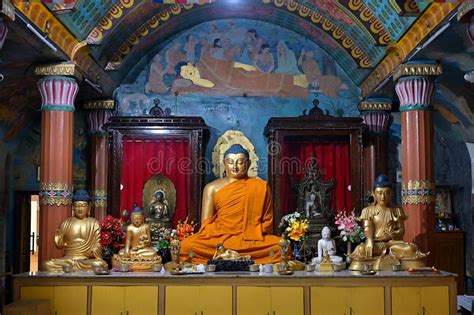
(111, 234)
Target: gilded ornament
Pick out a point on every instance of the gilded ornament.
(376, 105)
(61, 69)
(418, 192)
(55, 194)
(407, 69)
(100, 198)
(100, 104)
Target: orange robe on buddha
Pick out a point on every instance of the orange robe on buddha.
(242, 222)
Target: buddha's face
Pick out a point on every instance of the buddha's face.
(81, 209)
(138, 219)
(326, 234)
(236, 165)
(382, 196)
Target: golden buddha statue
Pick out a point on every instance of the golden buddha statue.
(237, 212)
(79, 236)
(175, 263)
(228, 254)
(383, 227)
(138, 253)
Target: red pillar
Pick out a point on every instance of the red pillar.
(57, 122)
(415, 88)
(375, 114)
(100, 112)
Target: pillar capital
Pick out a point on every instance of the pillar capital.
(58, 93)
(415, 84)
(98, 116)
(375, 114)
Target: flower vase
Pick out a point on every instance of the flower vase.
(107, 256)
(297, 250)
(165, 255)
(349, 251)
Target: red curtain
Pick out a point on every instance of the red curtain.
(143, 158)
(333, 162)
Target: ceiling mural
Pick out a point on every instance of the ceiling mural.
(120, 33)
(245, 58)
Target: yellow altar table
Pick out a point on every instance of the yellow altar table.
(241, 293)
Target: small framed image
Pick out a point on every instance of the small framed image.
(443, 202)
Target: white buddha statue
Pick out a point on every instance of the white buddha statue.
(326, 243)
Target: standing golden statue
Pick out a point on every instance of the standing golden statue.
(383, 227)
(138, 253)
(79, 236)
(237, 212)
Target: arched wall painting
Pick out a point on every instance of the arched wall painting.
(240, 57)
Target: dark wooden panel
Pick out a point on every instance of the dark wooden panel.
(449, 255)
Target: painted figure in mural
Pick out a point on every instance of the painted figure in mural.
(155, 82)
(217, 51)
(237, 212)
(328, 245)
(383, 227)
(286, 60)
(252, 43)
(265, 62)
(172, 56)
(138, 240)
(237, 79)
(79, 236)
(190, 49)
(326, 84)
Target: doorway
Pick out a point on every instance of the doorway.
(26, 232)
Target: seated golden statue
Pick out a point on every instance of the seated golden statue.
(159, 208)
(228, 254)
(237, 212)
(383, 227)
(175, 263)
(138, 253)
(79, 236)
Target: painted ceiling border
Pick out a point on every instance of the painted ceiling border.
(142, 31)
(398, 52)
(114, 15)
(38, 14)
(328, 26)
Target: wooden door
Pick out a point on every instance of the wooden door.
(70, 300)
(215, 300)
(253, 300)
(108, 300)
(141, 300)
(287, 301)
(182, 300)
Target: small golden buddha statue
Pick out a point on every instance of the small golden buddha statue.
(383, 227)
(138, 253)
(228, 254)
(175, 263)
(79, 236)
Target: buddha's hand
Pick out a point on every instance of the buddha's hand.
(369, 248)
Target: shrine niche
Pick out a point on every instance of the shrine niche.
(314, 201)
(294, 145)
(146, 147)
(159, 200)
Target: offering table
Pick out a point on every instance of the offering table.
(241, 293)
